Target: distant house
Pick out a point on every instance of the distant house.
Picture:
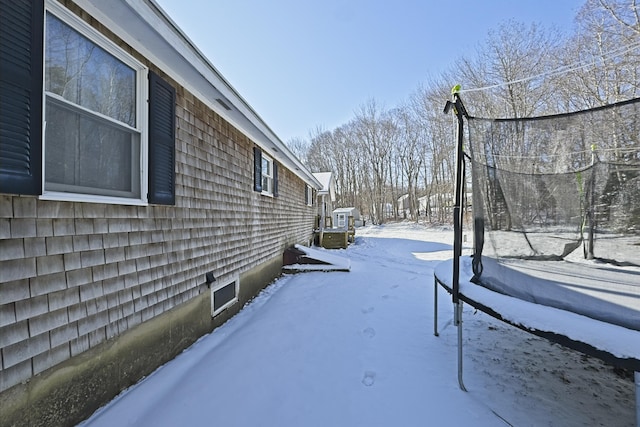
(439, 206)
(423, 205)
(153, 204)
(326, 198)
(404, 208)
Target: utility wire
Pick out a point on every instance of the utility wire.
(560, 70)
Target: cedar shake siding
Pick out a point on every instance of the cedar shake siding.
(95, 295)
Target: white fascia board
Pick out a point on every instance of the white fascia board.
(145, 26)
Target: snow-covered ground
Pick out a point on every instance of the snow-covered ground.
(357, 349)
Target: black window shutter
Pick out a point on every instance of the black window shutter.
(275, 179)
(21, 44)
(257, 169)
(162, 151)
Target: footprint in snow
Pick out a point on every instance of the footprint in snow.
(367, 310)
(369, 378)
(369, 332)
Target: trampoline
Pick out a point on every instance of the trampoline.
(555, 219)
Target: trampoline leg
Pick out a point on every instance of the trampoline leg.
(435, 307)
(458, 322)
(636, 375)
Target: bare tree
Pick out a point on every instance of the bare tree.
(374, 130)
(625, 12)
(411, 152)
(321, 152)
(514, 61)
(438, 148)
(300, 147)
(603, 56)
(520, 70)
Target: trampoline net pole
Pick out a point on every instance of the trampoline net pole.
(636, 376)
(435, 307)
(460, 112)
(459, 191)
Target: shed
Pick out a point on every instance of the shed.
(341, 218)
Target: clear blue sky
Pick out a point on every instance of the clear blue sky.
(303, 64)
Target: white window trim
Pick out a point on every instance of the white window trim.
(236, 281)
(142, 97)
(309, 195)
(268, 192)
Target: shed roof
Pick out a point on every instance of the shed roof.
(347, 210)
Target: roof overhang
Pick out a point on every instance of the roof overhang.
(328, 186)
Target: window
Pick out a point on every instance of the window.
(265, 173)
(93, 133)
(98, 131)
(224, 296)
(342, 218)
(308, 195)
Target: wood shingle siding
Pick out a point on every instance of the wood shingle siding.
(74, 275)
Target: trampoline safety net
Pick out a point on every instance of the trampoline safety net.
(557, 187)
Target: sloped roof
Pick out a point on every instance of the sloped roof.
(325, 179)
(346, 210)
(328, 184)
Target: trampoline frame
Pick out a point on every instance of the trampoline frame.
(458, 298)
